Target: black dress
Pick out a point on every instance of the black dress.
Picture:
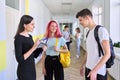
(26, 68)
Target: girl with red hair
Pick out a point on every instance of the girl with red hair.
(50, 59)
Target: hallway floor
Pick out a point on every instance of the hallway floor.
(72, 72)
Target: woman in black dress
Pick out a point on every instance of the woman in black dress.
(24, 49)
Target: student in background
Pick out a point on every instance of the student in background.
(50, 59)
(78, 41)
(66, 35)
(24, 49)
(95, 65)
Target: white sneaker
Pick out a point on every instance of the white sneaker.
(77, 56)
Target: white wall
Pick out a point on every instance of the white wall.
(2, 20)
(41, 15)
(22, 7)
(2, 38)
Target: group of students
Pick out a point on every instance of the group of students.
(66, 35)
(25, 49)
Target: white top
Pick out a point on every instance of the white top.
(66, 35)
(78, 35)
(92, 49)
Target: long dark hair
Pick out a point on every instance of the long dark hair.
(25, 19)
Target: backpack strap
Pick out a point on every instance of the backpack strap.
(87, 33)
(100, 50)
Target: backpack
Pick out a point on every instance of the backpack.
(110, 61)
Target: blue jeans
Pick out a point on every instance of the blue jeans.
(78, 42)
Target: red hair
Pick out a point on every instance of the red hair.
(57, 33)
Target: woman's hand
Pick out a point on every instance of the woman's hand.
(82, 71)
(36, 43)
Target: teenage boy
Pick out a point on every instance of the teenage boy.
(95, 68)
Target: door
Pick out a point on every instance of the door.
(12, 16)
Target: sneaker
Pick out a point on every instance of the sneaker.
(77, 56)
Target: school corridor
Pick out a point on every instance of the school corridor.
(105, 12)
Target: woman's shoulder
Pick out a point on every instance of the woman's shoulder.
(22, 37)
(17, 36)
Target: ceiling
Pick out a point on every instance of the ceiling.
(66, 7)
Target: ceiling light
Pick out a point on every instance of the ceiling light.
(67, 3)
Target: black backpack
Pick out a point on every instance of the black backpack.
(110, 61)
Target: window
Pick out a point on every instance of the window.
(97, 15)
(13, 3)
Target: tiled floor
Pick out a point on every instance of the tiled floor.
(72, 72)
